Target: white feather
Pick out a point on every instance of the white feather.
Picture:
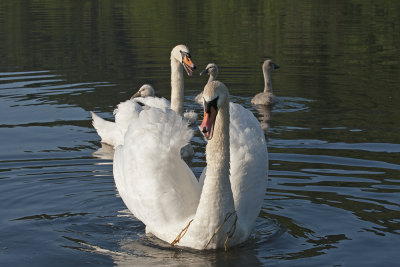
(112, 133)
(155, 183)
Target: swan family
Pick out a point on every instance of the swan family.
(217, 210)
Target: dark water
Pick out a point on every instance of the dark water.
(334, 185)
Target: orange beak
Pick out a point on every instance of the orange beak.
(189, 65)
(207, 125)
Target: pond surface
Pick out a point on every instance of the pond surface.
(333, 197)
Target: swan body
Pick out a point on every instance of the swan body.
(112, 133)
(267, 97)
(160, 190)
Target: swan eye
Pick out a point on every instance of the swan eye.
(208, 104)
(185, 54)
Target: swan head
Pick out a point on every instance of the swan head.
(211, 69)
(181, 53)
(215, 95)
(145, 90)
(269, 65)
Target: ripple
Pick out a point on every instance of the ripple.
(332, 160)
(320, 144)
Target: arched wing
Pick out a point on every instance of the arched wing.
(249, 164)
(154, 182)
(107, 130)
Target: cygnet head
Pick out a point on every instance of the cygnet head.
(215, 95)
(211, 69)
(145, 90)
(181, 53)
(269, 65)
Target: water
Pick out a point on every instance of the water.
(333, 194)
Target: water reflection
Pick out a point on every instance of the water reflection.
(150, 252)
(264, 117)
(147, 250)
(104, 152)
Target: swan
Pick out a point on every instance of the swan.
(212, 70)
(158, 187)
(266, 97)
(145, 90)
(112, 133)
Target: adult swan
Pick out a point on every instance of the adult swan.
(112, 133)
(160, 190)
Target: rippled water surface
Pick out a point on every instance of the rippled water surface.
(333, 197)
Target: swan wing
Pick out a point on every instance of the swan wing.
(249, 165)
(107, 130)
(154, 182)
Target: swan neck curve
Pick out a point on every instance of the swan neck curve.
(212, 77)
(216, 200)
(217, 150)
(177, 86)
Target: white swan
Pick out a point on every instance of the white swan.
(212, 70)
(267, 97)
(112, 133)
(160, 190)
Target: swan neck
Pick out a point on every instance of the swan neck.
(177, 86)
(216, 198)
(267, 81)
(212, 77)
(217, 150)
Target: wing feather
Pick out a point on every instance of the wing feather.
(249, 165)
(155, 183)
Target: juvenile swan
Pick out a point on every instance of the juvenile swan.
(212, 70)
(266, 97)
(160, 190)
